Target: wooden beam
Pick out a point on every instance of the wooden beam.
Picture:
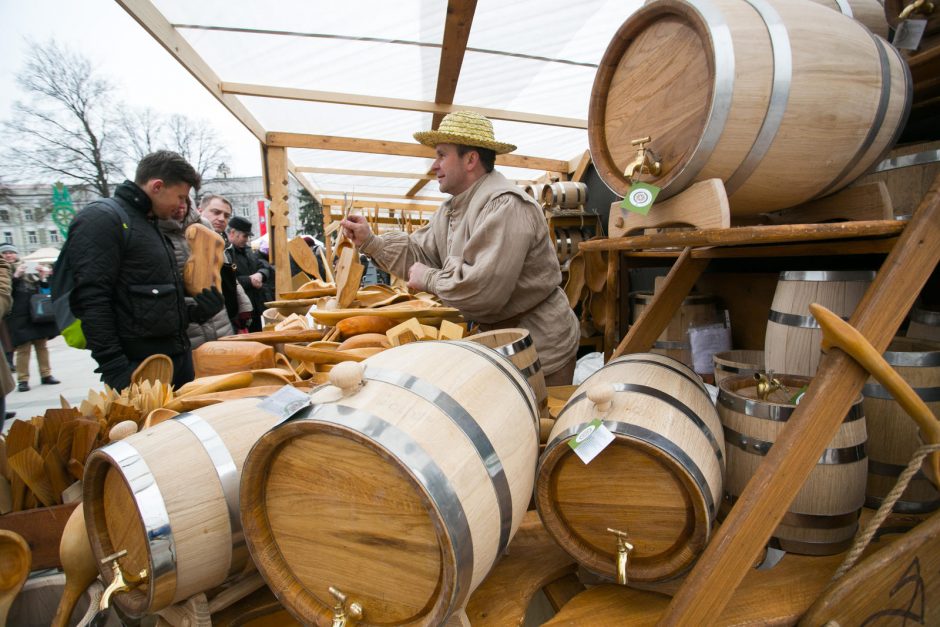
(372, 204)
(579, 166)
(404, 149)
(160, 29)
(279, 209)
(376, 173)
(453, 47)
(304, 182)
(417, 187)
(400, 104)
(330, 193)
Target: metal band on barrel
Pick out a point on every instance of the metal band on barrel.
(736, 369)
(827, 275)
(875, 390)
(156, 519)
(926, 316)
(767, 411)
(520, 345)
(466, 423)
(913, 359)
(425, 471)
(906, 161)
(829, 457)
(654, 439)
(845, 8)
(904, 507)
(884, 469)
(229, 479)
(793, 320)
(683, 370)
(779, 94)
(527, 393)
(671, 345)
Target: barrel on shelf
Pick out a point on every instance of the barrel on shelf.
(742, 91)
(659, 480)
(517, 346)
(823, 518)
(737, 362)
(696, 310)
(924, 324)
(792, 341)
(564, 195)
(893, 435)
(400, 486)
(567, 240)
(168, 495)
(535, 191)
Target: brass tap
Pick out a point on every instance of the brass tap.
(343, 617)
(767, 384)
(623, 555)
(120, 582)
(645, 162)
(919, 6)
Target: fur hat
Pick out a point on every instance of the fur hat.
(240, 224)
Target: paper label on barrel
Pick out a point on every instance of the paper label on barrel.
(640, 197)
(591, 440)
(909, 34)
(285, 402)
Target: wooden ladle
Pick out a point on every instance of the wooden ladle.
(15, 562)
(78, 562)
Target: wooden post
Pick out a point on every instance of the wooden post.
(279, 218)
(612, 317)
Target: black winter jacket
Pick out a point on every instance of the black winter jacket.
(130, 297)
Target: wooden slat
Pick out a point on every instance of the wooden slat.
(330, 193)
(376, 173)
(279, 211)
(580, 166)
(370, 204)
(404, 149)
(453, 47)
(42, 529)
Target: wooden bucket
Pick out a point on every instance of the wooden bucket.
(742, 97)
(792, 341)
(871, 13)
(659, 480)
(564, 194)
(924, 324)
(737, 362)
(516, 345)
(893, 435)
(696, 310)
(169, 496)
(823, 518)
(401, 492)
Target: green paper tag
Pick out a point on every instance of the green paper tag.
(640, 197)
(591, 440)
(799, 395)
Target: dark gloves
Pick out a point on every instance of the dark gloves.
(208, 303)
(117, 372)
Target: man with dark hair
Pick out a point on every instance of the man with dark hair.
(128, 292)
(486, 250)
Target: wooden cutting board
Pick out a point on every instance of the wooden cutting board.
(301, 253)
(205, 259)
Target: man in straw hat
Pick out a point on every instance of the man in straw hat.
(485, 251)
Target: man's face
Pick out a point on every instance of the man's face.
(238, 238)
(9, 256)
(166, 199)
(217, 212)
(451, 169)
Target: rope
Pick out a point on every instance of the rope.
(862, 541)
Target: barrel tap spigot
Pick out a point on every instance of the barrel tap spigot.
(767, 384)
(343, 616)
(645, 162)
(120, 582)
(623, 555)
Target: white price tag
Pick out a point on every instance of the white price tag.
(591, 440)
(285, 402)
(909, 34)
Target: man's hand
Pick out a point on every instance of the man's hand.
(20, 269)
(117, 373)
(416, 276)
(208, 303)
(257, 280)
(356, 229)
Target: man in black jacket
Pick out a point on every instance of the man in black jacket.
(251, 270)
(128, 292)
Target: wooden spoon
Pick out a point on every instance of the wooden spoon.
(159, 415)
(15, 562)
(78, 562)
(154, 368)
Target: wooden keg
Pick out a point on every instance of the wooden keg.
(401, 486)
(659, 480)
(747, 98)
(696, 310)
(564, 194)
(566, 242)
(737, 362)
(823, 518)
(924, 324)
(870, 13)
(893, 435)
(792, 341)
(535, 191)
(517, 346)
(168, 495)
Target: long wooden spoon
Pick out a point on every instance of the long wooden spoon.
(15, 562)
(78, 562)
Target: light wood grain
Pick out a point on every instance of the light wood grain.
(206, 256)
(225, 357)
(301, 253)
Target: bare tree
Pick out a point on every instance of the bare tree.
(65, 130)
(197, 142)
(141, 131)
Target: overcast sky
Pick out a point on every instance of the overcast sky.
(144, 73)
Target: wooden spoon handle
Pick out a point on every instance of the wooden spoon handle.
(70, 596)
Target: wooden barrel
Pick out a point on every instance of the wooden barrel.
(566, 242)
(168, 495)
(907, 172)
(564, 194)
(823, 518)
(871, 13)
(401, 491)
(747, 98)
(535, 191)
(893, 435)
(659, 480)
(924, 324)
(792, 341)
(737, 362)
(516, 345)
(696, 310)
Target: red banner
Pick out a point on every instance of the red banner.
(262, 218)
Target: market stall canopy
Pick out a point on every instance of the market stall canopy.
(344, 85)
(43, 255)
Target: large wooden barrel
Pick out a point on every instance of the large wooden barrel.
(401, 491)
(169, 497)
(737, 362)
(696, 310)
(823, 518)
(517, 346)
(659, 480)
(871, 13)
(741, 90)
(792, 341)
(892, 435)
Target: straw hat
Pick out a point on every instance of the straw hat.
(466, 128)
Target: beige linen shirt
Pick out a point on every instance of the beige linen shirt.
(491, 258)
